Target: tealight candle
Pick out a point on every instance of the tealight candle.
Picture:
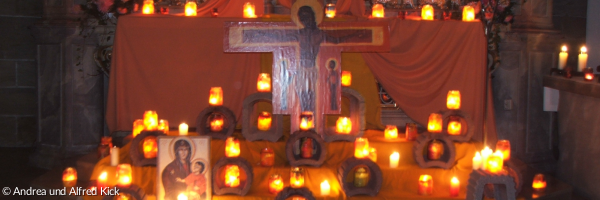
(453, 100)
(562, 57)
(494, 163)
(325, 188)
(69, 177)
(249, 10)
(232, 147)
(264, 83)
(138, 127)
(183, 129)
(454, 187)
(427, 12)
(232, 176)
(394, 159)
(124, 175)
(361, 147)
(539, 183)
(114, 156)
(582, 59)
(216, 123)
(297, 177)
(504, 147)
(102, 179)
(425, 185)
(346, 78)
(182, 196)
(163, 125)
(588, 74)
(148, 7)
(306, 120)
(378, 11)
(468, 14)
(361, 177)
(190, 8)
(435, 123)
(216, 96)
(330, 10)
(435, 150)
(275, 184)
(267, 157)
(264, 121)
(454, 125)
(150, 120)
(150, 147)
(343, 125)
(391, 132)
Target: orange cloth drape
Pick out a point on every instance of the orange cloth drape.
(427, 59)
(347, 7)
(229, 8)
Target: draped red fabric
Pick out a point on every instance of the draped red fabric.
(429, 58)
(348, 7)
(229, 8)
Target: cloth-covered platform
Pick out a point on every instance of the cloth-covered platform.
(398, 183)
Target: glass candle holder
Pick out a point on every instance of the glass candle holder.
(330, 10)
(150, 120)
(539, 183)
(454, 125)
(504, 147)
(216, 122)
(249, 11)
(346, 78)
(216, 96)
(306, 121)
(69, 177)
(264, 121)
(435, 150)
(343, 125)
(411, 131)
(453, 100)
(588, 74)
(124, 175)
(275, 184)
(494, 163)
(427, 12)
(264, 83)
(361, 177)
(232, 147)
(391, 132)
(138, 127)
(267, 157)
(361, 147)
(163, 125)
(297, 177)
(425, 185)
(306, 149)
(148, 7)
(435, 123)
(378, 11)
(232, 176)
(150, 147)
(191, 8)
(468, 14)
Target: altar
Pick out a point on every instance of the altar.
(169, 63)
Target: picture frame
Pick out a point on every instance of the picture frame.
(183, 167)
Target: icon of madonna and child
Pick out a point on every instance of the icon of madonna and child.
(185, 168)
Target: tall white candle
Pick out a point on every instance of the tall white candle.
(485, 154)
(325, 188)
(477, 161)
(583, 57)
(562, 57)
(394, 159)
(114, 156)
(183, 129)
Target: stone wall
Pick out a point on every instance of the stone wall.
(18, 72)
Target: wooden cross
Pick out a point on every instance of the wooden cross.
(306, 56)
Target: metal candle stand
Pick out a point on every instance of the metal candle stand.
(228, 122)
(375, 178)
(296, 160)
(219, 187)
(137, 156)
(251, 132)
(357, 117)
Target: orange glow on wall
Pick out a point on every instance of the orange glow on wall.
(435, 123)
(216, 96)
(263, 84)
(346, 78)
(232, 147)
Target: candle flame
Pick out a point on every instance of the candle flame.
(103, 176)
(583, 50)
(455, 180)
(564, 48)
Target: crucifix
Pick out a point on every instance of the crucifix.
(306, 56)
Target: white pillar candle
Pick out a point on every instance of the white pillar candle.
(583, 57)
(394, 159)
(114, 156)
(183, 129)
(325, 188)
(562, 57)
(477, 161)
(485, 154)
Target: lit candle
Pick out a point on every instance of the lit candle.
(361, 147)
(495, 163)
(182, 196)
(148, 7)
(425, 185)
(343, 125)
(102, 179)
(163, 125)
(69, 177)
(267, 157)
(150, 120)
(394, 159)
(183, 129)
(485, 154)
(114, 156)
(454, 187)
(264, 121)
(150, 147)
(411, 131)
(297, 177)
(306, 120)
(307, 148)
(454, 125)
(325, 188)
(588, 74)
(275, 184)
(477, 161)
(232, 147)
(427, 12)
(453, 100)
(216, 96)
(373, 154)
(435, 150)
(504, 147)
(138, 127)
(216, 123)
(124, 175)
(190, 8)
(468, 14)
(264, 83)
(539, 183)
(232, 176)
(391, 132)
(562, 57)
(435, 123)
(330, 10)
(583, 57)
(249, 10)
(378, 11)
(346, 78)
(361, 177)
